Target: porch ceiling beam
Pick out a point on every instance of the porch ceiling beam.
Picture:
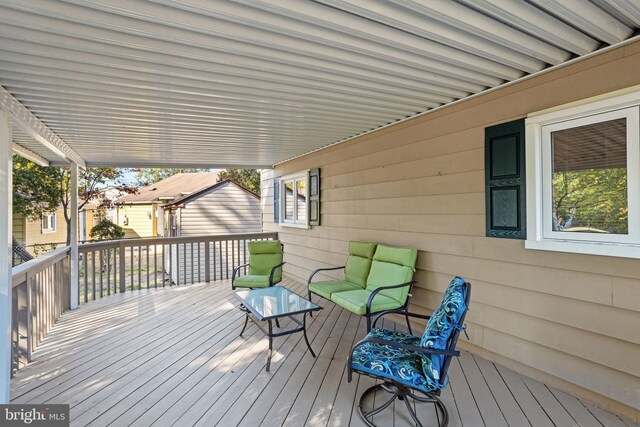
(589, 18)
(351, 51)
(329, 26)
(535, 21)
(218, 90)
(75, 36)
(267, 46)
(30, 155)
(414, 23)
(37, 130)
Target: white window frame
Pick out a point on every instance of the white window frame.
(539, 127)
(49, 229)
(295, 222)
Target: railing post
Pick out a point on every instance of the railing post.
(207, 261)
(6, 277)
(123, 266)
(73, 232)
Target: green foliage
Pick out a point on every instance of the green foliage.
(247, 178)
(36, 189)
(106, 230)
(40, 189)
(146, 177)
(591, 198)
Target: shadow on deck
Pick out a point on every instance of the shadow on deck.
(173, 356)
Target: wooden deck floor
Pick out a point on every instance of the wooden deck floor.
(173, 357)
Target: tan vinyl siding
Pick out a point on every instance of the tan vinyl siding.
(139, 224)
(35, 236)
(18, 228)
(568, 318)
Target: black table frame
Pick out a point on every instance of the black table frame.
(302, 325)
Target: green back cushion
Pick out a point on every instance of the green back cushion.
(263, 256)
(359, 262)
(362, 249)
(392, 266)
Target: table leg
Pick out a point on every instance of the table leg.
(270, 345)
(304, 331)
(246, 320)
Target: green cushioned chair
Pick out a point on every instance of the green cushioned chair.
(265, 266)
(356, 271)
(388, 285)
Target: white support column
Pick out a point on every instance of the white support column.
(73, 206)
(6, 202)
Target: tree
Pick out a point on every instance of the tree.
(36, 189)
(106, 230)
(40, 189)
(592, 199)
(247, 178)
(146, 177)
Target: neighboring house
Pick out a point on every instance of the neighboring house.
(50, 230)
(222, 208)
(112, 193)
(142, 215)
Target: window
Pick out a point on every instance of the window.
(583, 181)
(48, 222)
(295, 200)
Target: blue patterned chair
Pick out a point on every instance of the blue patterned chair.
(411, 367)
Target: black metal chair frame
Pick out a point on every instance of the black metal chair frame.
(369, 315)
(401, 391)
(273, 272)
(271, 283)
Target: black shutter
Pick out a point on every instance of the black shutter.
(276, 200)
(505, 180)
(314, 197)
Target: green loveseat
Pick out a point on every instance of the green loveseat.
(389, 280)
(265, 266)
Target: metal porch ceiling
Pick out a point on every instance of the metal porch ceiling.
(254, 82)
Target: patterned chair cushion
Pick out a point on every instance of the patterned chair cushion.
(402, 366)
(442, 323)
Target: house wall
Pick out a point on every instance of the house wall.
(139, 224)
(18, 227)
(35, 236)
(30, 231)
(225, 210)
(568, 319)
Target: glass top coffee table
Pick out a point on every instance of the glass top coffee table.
(271, 304)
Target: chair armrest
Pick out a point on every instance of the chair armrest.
(323, 269)
(236, 270)
(410, 347)
(384, 288)
(273, 271)
(401, 312)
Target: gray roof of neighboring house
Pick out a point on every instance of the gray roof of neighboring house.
(173, 188)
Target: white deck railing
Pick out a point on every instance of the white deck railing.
(41, 293)
(42, 286)
(129, 264)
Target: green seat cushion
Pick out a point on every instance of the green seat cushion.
(392, 266)
(356, 301)
(359, 262)
(251, 281)
(327, 288)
